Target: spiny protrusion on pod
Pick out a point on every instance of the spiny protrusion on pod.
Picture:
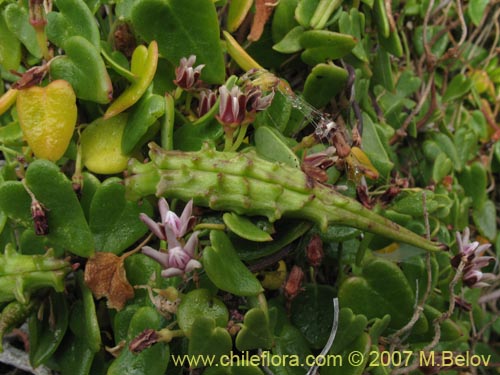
(223, 181)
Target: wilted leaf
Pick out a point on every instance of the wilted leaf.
(106, 277)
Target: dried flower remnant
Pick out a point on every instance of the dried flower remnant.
(39, 218)
(144, 340)
(315, 165)
(38, 213)
(314, 251)
(293, 283)
(31, 77)
(187, 77)
(470, 254)
(255, 100)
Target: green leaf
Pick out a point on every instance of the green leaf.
(143, 68)
(323, 12)
(291, 41)
(255, 332)
(362, 345)
(191, 137)
(68, 228)
(236, 14)
(15, 202)
(183, 28)
(305, 11)
(73, 18)
(378, 327)
(450, 330)
(142, 117)
(474, 180)
(244, 228)
(46, 335)
(415, 270)
(83, 68)
(10, 47)
(207, 339)
(290, 342)
(442, 167)
(284, 19)
(287, 231)
(271, 145)
(353, 23)
(382, 70)
(101, 145)
(392, 44)
(121, 322)
(485, 220)
(351, 326)
(438, 48)
(448, 147)
(200, 303)
(17, 19)
(381, 18)
(372, 146)
(322, 45)
(73, 356)
(412, 203)
(323, 83)
(458, 87)
(476, 10)
(114, 221)
(87, 324)
(90, 184)
(312, 313)
(381, 289)
(277, 115)
(226, 270)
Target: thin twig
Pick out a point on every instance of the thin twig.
(463, 36)
(401, 132)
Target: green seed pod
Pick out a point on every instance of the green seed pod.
(13, 315)
(248, 185)
(20, 275)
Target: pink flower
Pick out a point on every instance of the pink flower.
(179, 259)
(186, 77)
(207, 101)
(171, 225)
(232, 107)
(470, 253)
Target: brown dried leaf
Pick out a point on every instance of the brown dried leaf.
(263, 10)
(106, 277)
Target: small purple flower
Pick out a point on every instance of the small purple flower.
(232, 107)
(207, 101)
(179, 259)
(186, 77)
(171, 225)
(470, 253)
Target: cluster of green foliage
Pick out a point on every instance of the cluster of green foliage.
(407, 92)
